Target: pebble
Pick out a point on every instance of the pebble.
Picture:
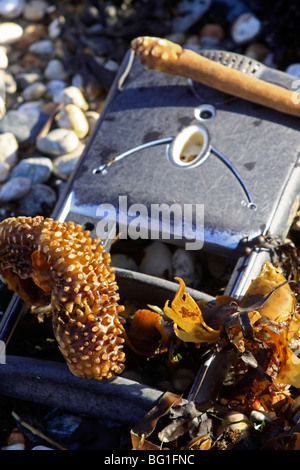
(65, 164)
(18, 446)
(3, 58)
(55, 70)
(15, 188)
(260, 416)
(245, 28)
(92, 118)
(36, 169)
(34, 92)
(4, 171)
(55, 27)
(294, 69)
(10, 33)
(189, 12)
(236, 422)
(157, 260)
(71, 95)
(35, 10)
(11, 9)
(54, 86)
(120, 260)
(9, 81)
(42, 47)
(58, 142)
(257, 51)
(211, 35)
(2, 107)
(77, 80)
(24, 124)
(183, 263)
(40, 200)
(8, 149)
(27, 78)
(30, 105)
(72, 117)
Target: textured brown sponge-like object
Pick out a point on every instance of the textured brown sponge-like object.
(45, 261)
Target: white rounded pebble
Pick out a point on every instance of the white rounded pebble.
(55, 70)
(72, 117)
(34, 92)
(294, 69)
(42, 47)
(3, 58)
(35, 10)
(11, 9)
(245, 28)
(157, 260)
(8, 149)
(10, 33)
(58, 142)
(4, 171)
(71, 95)
(13, 189)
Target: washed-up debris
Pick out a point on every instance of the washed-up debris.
(261, 328)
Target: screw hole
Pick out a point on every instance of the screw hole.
(89, 226)
(204, 112)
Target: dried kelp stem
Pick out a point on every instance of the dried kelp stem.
(165, 56)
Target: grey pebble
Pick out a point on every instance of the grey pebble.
(41, 199)
(42, 47)
(14, 189)
(11, 9)
(53, 86)
(4, 171)
(35, 91)
(55, 70)
(36, 169)
(25, 124)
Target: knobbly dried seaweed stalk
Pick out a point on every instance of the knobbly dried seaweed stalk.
(165, 56)
(44, 260)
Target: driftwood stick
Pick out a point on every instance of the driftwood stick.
(165, 56)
